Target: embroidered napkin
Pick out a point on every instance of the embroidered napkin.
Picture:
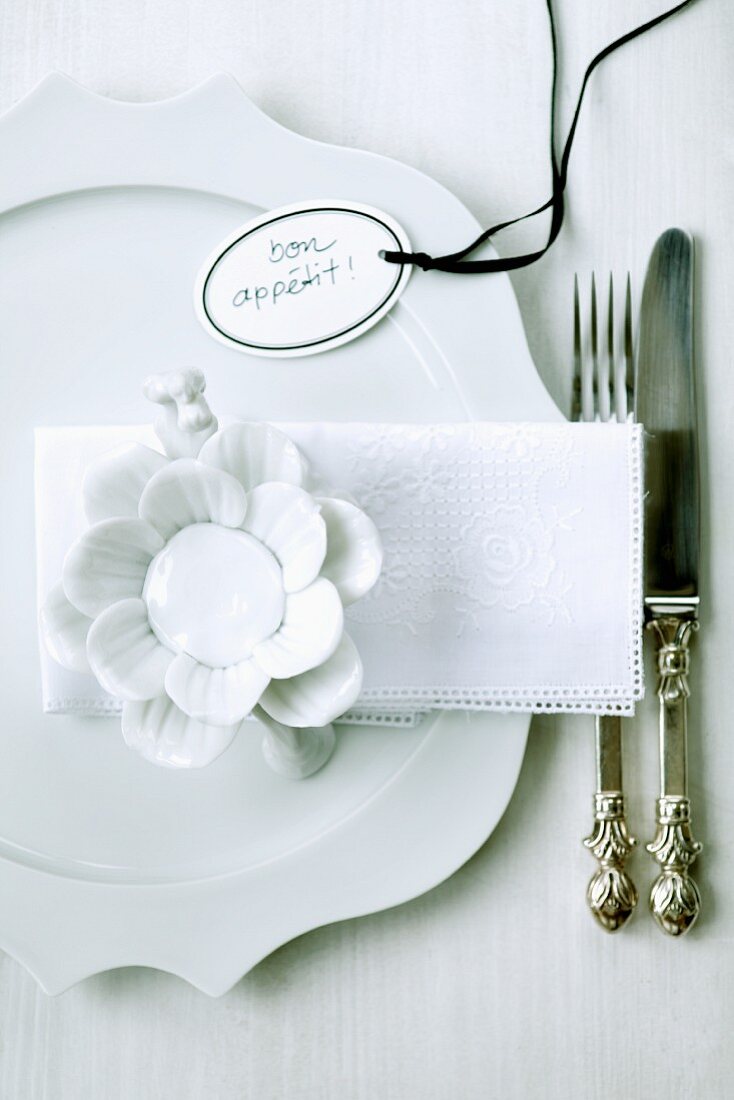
(512, 570)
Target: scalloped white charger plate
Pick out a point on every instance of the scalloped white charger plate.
(107, 211)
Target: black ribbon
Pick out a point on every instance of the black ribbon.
(454, 262)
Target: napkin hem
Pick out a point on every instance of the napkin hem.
(112, 708)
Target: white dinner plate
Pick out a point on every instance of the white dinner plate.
(107, 210)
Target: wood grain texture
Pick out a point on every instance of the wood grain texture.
(497, 983)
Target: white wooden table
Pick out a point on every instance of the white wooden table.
(497, 983)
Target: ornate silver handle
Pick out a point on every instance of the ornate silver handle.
(675, 900)
(611, 893)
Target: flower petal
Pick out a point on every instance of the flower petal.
(164, 735)
(312, 625)
(113, 482)
(187, 492)
(124, 653)
(353, 549)
(64, 630)
(255, 453)
(287, 520)
(108, 563)
(317, 697)
(217, 696)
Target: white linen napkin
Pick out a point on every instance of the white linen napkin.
(512, 570)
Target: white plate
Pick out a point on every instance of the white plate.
(107, 211)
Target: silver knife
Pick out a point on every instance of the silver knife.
(666, 406)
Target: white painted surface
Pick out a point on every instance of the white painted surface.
(497, 983)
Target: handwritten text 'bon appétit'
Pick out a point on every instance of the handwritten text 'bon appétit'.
(310, 273)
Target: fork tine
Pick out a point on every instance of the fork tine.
(612, 387)
(603, 384)
(601, 366)
(576, 389)
(589, 363)
(594, 351)
(629, 355)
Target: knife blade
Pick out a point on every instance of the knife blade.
(666, 406)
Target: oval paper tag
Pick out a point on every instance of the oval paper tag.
(302, 279)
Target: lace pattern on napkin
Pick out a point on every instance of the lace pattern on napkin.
(470, 517)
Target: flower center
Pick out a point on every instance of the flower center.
(214, 592)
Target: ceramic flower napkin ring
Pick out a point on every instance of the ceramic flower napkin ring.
(210, 586)
(205, 586)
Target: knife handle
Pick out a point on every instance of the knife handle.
(675, 901)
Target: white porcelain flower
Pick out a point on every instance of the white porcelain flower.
(211, 584)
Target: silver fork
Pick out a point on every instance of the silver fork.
(603, 389)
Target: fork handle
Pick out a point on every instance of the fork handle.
(611, 894)
(675, 900)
